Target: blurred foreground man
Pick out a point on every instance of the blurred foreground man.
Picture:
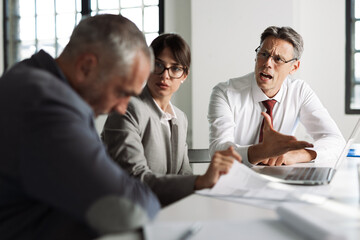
(56, 179)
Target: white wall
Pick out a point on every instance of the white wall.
(178, 20)
(224, 37)
(225, 33)
(322, 25)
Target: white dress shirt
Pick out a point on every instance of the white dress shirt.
(166, 116)
(235, 116)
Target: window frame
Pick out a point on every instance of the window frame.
(85, 11)
(349, 55)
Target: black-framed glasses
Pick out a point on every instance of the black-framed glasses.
(174, 71)
(278, 60)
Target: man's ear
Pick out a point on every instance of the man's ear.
(85, 65)
(295, 66)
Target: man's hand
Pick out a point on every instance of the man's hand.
(220, 164)
(291, 157)
(274, 147)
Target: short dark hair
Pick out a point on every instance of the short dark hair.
(288, 34)
(177, 45)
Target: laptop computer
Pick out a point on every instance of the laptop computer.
(307, 175)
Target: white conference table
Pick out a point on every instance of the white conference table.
(344, 189)
(249, 221)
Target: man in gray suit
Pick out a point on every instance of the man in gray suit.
(56, 179)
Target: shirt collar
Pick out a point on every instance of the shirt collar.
(259, 95)
(169, 112)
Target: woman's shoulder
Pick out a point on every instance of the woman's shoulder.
(137, 107)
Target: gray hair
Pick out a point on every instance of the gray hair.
(113, 38)
(288, 34)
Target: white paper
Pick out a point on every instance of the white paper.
(244, 185)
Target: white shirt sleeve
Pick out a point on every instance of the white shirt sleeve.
(328, 140)
(222, 124)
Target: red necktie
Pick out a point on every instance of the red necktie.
(269, 105)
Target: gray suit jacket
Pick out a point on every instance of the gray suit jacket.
(142, 145)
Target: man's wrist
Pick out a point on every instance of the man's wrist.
(198, 183)
(254, 153)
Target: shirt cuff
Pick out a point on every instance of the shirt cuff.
(243, 151)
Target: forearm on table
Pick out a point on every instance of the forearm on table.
(300, 156)
(256, 153)
(170, 188)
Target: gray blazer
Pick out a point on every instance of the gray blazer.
(142, 146)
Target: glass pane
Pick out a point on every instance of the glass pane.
(61, 43)
(26, 8)
(78, 18)
(135, 15)
(130, 3)
(65, 6)
(150, 37)
(151, 19)
(48, 46)
(45, 7)
(27, 28)
(355, 100)
(78, 5)
(94, 5)
(45, 27)
(109, 11)
(65, 24)
(26, 49)
(357, 35)
(108, 4)
(357, 67)
(357, 8)
(151, 2)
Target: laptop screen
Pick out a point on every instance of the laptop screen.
(349, 142)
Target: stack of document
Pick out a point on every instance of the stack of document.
(331, 220)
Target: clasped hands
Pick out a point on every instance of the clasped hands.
(277, 149)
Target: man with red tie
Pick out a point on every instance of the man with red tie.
(235, 108)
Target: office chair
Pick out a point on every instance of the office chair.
(199, 156)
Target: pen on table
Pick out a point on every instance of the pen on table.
(190, 232)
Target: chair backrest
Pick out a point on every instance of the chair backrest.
(199, 155)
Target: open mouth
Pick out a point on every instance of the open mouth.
(162, 85)
(265, 76)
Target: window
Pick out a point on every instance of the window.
(352, 100)
(31, 25)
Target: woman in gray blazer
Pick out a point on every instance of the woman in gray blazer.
(149, 141)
